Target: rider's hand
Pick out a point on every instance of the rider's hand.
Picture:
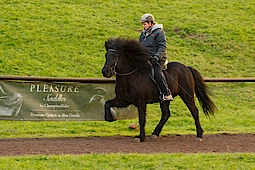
(153, 60)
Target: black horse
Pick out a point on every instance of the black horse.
(129, 60)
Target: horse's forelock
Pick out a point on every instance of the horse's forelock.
(109, 43)
(112, 43)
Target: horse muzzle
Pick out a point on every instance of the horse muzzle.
(107, 72)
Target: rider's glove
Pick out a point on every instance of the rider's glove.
(153, 60)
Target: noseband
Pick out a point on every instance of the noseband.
(112, 69)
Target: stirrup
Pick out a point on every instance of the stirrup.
(169, 97)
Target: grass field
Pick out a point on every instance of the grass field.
(132, 161)
(66, 39)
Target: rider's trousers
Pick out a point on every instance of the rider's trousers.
(159, 78)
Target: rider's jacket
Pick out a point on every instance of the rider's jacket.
(155, 40)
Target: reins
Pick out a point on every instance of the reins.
(126, 74)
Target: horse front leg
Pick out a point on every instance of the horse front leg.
(108, 105)
(142, 120)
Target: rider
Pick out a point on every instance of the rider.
(153, 37)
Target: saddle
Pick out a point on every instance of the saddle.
(151, 74)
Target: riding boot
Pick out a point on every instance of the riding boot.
(161, 83)
(163, 88)
(168, 97)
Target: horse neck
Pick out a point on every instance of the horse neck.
(130, 72)
(125, 66)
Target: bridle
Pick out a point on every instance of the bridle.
(112, 69)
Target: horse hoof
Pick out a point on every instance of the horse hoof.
(137, 140)
(153, 136)
(200, 139)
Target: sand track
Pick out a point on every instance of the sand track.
(217, 143)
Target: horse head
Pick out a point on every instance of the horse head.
(111, 61)
(124, 57)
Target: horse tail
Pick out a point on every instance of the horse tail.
(203, 93)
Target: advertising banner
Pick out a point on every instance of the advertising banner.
(38, 100)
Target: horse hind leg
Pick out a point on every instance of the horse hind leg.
(165, 116)
(190, 103)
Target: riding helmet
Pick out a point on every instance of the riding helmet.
(147, 18)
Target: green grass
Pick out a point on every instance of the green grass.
(132, 161)
(65, 38)
(235, 114)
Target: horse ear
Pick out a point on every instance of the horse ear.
(106, 46)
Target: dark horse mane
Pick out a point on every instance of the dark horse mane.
(133, 50)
